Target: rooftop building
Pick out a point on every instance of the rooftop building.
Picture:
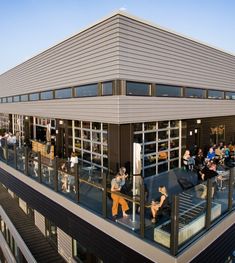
(120, 93)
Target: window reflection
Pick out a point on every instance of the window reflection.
(150, 148)
(162, 135)
(16, 98)
(107, 88)
(137, 126)
(195, 93)
(168, 91)
(150, 137)
(174, 133)
(34, 96)
(163, 124)
(47, 95)
(215, 94)
(137, 89)
(24, 97)
(230, 95)
(63, 93)
(87, 90)
(150, 126)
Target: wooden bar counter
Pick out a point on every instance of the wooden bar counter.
(42, 148)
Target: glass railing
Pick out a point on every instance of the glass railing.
(188, 215)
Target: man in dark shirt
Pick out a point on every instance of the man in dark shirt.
(208, 171)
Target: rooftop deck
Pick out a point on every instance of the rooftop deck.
(90, 188)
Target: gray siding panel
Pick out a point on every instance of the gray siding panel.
(142, 109)
(123, 109)
(87, 57)
(150, 54)
(64, 245)
(103, 109)
(39, 221)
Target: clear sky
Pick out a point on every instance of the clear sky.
(28, 27)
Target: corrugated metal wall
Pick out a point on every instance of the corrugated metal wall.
(154, 55)
(87, 57)
(121, 47)
(64, 245)
(39, 220)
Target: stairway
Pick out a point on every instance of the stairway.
(36, 242)
(189, 210)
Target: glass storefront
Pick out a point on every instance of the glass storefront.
(160, 145)
(90, 142)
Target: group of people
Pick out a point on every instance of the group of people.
(8, 139)
(207, 165)
(219, 154)
(119, 182)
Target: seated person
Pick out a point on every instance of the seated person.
(125, 185)
(211, 154)
(157, 207)
(188, 161)
(209, 171)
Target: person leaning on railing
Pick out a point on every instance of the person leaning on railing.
(117, 199)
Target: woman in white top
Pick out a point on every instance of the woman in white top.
(73, 160)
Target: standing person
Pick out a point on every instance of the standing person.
(64, 178)
(157, 207)
(116, 187)
(199, 160)
(73, 160)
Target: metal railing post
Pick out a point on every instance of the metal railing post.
(76, 182)
(26, 160)
(174, 238)
(39, 167)
(15, 156)
(7, 153)
(230, 189)
(104, 195)
(56, 174)
(142, 210)
(208, 203)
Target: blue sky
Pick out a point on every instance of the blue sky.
(28, 27)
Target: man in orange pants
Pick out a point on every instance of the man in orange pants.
(116, 187)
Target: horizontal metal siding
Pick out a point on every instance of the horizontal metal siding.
(104, 109)
(39, 220)
(89, 56)
(142, 109)
(64, 245)
(123, 109)
(153, 55)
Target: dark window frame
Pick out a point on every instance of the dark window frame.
(96, 85)
(67, 97)
(201, 89)
(47, 91)
(24, 95)
(212, 90)
(31, 96)
(102, 93)
(139, 83)
(16, 100)
(181, 89)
